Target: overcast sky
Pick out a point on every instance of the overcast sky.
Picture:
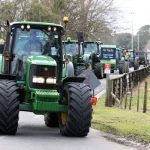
(136, 10)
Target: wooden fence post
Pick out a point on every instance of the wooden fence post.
(131, 96)
(120, 96)
(107, 103)
(138, 95)
(126, 93)
(145, 99)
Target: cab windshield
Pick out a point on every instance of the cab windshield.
(32, 43)
(71, 48)
(91, 47)
(35, 42)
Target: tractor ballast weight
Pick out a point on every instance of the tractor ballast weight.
(34, 78)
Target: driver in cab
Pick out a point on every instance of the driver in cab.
(33, 44)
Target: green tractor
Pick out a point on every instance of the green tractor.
(122, 61)
(92, 58)
(108, 56)
(74, 51)
(133, 58)
(142, 57)
(34, 78)
(114, 56)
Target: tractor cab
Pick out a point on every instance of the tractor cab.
(92, 56)
(33, 43)
(74, 51)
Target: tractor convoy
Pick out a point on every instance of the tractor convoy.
(41, 73)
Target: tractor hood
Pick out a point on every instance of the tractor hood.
(87, 53)
(42, 60)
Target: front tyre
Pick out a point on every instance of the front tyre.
(77, 121)
(51, 120)
(9, 107)
(79, 70)
(99, 71)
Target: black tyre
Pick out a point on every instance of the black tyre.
(77, 121)
(9, 107)
(112, 71)
(121, 68)
(126, 67)
(99, 70)
(51, 119)
(136, 65)
(79, 70)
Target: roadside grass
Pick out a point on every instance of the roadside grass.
(124, 122)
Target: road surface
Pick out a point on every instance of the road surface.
(34, 135)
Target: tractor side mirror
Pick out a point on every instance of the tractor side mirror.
(80, 36)
(1, 48)
(85, 45)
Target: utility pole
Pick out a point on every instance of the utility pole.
(138, 40)
(132, 13)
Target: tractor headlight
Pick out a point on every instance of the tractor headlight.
(51, 80)
(38, 80)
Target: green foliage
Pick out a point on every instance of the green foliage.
(123, 40)
(89, 16)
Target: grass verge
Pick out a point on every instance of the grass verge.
(128, 123)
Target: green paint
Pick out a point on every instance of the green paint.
(108, 61)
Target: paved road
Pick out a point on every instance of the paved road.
(33, 135)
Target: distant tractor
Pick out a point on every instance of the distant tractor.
(74, 50)
(108, 56)
(133, 59)
(92, 53)
(122, 61)
(34, 78)
(114, 56)
(142, 58)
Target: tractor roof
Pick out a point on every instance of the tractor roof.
(70, 41)
(108, 46)
(90, 41)
(36, 23)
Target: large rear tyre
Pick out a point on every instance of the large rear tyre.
(9, 107)
(51, 120)
(121, 68)
(77, 121)
(136, 65)
(99, 71)
(126, 67)
(79, 70)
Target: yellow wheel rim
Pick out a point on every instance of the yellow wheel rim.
(102, 71)
(64, 117)
(90, 66)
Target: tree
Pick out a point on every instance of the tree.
(123, 40)
(93, 17)
(144, 37)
